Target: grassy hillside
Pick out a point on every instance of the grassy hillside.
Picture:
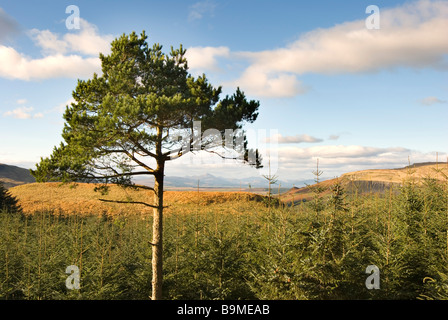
(13, 176)
(373, 180)
(82, 199)
(417, 172)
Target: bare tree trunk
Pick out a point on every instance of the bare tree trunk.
(157, 224)
(157, 237)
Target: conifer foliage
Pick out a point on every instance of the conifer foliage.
(240, 249)
(7, 201)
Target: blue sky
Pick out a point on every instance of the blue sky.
(329, 87)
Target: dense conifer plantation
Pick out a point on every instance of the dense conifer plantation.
(240, 250)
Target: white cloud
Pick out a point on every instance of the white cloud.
(335, 160)
(268, 84)
(199, 9)
(298, 163)
(205, 58)
(412, 35)
(22, 113)
(17, 66)
(340, 151)
(86, 40)
(48, 41)
(299, 138)
(428, 101)
(75, 55)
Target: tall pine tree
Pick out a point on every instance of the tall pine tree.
(142, 112)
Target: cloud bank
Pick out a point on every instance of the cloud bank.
(74, 55)
(412, 35)
(206, 58)
(23, 113)
(299, 138)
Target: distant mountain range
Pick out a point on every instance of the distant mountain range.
(12, 176)
(211, 181)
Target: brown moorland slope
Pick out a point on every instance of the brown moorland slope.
(373, 180)
(81, 199)
(417, 173)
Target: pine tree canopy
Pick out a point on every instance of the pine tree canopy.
(143, 106)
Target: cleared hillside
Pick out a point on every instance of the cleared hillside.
(416, 173)
(373, 180)
(82, 199)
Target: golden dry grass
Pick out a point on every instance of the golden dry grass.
(415, 174)
(81, 199)
(399, 175)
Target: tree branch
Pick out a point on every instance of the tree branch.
(116, 175)
(151, 170)
(224, 157)
(132, 202)
(142, 187)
